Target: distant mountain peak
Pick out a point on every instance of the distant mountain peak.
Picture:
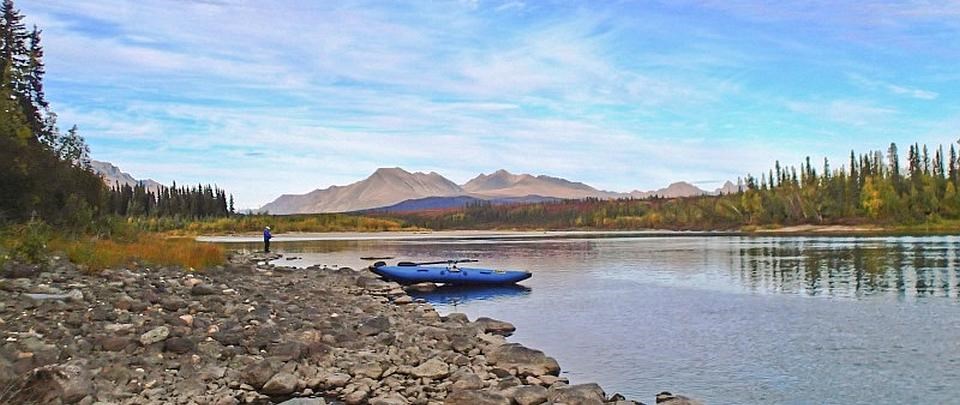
(390, 186)
(112, 175)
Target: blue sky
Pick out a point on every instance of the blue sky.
(265, 98)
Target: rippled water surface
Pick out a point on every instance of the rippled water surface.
(724, 319)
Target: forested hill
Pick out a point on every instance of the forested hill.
(45, 174)
(872, 188)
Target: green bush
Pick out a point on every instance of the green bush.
(29, 241)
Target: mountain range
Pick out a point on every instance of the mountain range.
(395, 189)
(112, 175)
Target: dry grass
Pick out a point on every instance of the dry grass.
(149, 249)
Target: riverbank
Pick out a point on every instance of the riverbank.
(798, 230)
(248, 332)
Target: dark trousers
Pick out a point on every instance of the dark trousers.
(266, 245)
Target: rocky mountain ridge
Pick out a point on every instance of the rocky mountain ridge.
(112, 175)
(388, 187)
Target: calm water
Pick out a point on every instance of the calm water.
(724, 319)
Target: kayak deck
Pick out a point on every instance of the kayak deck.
(412, 274)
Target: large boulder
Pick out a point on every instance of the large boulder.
(433, 368)
(587, 394)
(476, 398)
(280, 384)
(489, 325)
(373, 326)
(530, 395)
(389, 399)
(57, 383)
(525, 361)
(257, 373)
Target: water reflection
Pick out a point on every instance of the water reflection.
(456, 295)
(850, 267)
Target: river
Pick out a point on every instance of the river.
(726, 319)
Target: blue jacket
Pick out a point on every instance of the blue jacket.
(266, 234)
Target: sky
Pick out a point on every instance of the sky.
(271, 97)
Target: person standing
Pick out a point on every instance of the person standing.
(266, 239)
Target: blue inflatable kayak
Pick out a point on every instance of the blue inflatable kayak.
(450, 273)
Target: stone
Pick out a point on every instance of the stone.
(469, 381)
(257, 373)
(280, 384)
(489, 325)
(403, 300)
(73, 295)
(421, 287)
(119, 328)
(476, 398)
(114, 343)
(433, 369)
(530, 395)
(524, 360)
(371, 370)
(666, 398)
(457, 317)
(304, 401)
(179, 345)
(64, 383)
(155, 335)
(173, 304)
(337, 380)
(373, 326)
(203, 289)
(186, 319)
(356, 397)
(587, 394)
(389, 399)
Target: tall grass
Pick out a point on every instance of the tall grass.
(148, 249)
(281, 224)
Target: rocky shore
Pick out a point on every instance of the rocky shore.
(249, 332)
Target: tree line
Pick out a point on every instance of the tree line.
(872, 188)
(45, 174)
(161, 201)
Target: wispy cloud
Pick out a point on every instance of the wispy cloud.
(272, 98)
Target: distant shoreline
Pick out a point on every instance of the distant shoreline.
(796, 230)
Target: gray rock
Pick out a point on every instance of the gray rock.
(588, 394)
(666, 398)
(155, 335)
(421, 287)
(524, 360)
(457, 317)
(356, 398)
(257, 374)
(367, 369)
(465, 380)
(389, 399)
(64, 383)
(179, 345)
(489, 325)
(280, 384)
(476, 398)
(530, 395)
(373, 326)
(336, 380)
(304, 401)
(114, 343)
(72, 295)
(433, 368)
(203, 289)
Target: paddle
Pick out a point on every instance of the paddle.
(447, 262)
